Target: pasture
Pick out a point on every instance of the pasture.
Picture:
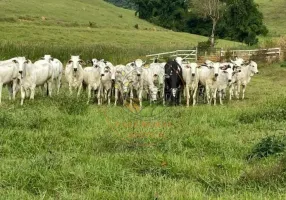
(100, 23)
(274, 16)
(61, 148)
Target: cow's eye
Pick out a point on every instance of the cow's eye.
(70, 61)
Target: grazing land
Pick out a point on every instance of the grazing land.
(62, 148)
(86, 22)
(274, 16)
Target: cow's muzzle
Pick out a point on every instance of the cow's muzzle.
(216, 75)
(193, 74)
(102, 74)
(138, 75)
(75, 69)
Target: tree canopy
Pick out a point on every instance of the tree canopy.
(240, 20)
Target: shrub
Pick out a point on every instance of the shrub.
(268, 146)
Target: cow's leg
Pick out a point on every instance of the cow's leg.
(10, 90)
(22, 95)
(50, 89)
(243, 91)
(32, 88)
(131, 95)
(79, 89)
(194, 95)
(237, 90)
(99, 95)
(187, 94)
(14, 88)
(115, 96)
(230, 92)
(88, 93)
(208, 94)
(220, 97)
(109, 96)
(214, 96)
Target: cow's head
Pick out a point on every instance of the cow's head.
(22, 61)
(102, 67)
(76, 63)
(179, 60)
(138, 64)
(194, 67)
(253, 67)
(48, 58)
(228, 71)
(215, 67)
(93, 62)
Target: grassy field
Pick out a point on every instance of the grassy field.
(85, 22)
(61, 148)
(274, 16)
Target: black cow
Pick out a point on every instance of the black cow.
(173, 82)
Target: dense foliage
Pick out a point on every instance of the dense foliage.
(241, 20)
(123, 3)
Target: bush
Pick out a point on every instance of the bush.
(268, 146)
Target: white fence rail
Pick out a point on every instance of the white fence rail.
(193, 53)
(185, 54)
(270, 51)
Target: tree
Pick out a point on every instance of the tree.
(212, 9)
(242, 22)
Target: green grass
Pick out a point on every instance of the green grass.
(60, 148)
(68, 22)
(274, 16)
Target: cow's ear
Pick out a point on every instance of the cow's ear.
(88, 61)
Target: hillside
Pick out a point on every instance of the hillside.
(274, 16)
(84, 22)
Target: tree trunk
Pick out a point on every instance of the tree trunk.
(213, 33)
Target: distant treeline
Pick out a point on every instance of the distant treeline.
(240, 21)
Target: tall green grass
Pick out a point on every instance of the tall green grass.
(61, 148)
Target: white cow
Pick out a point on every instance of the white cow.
(74, 74)
(124, 82)
(9, 71)
(57, 70)
(107, 72)
(191, 78)
(92, 79)
(33, 75)
(243, 77)
(148, 77)
(159, 79)
(207, 76)
(223, 81)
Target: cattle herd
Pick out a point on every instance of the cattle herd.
(167, 81)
